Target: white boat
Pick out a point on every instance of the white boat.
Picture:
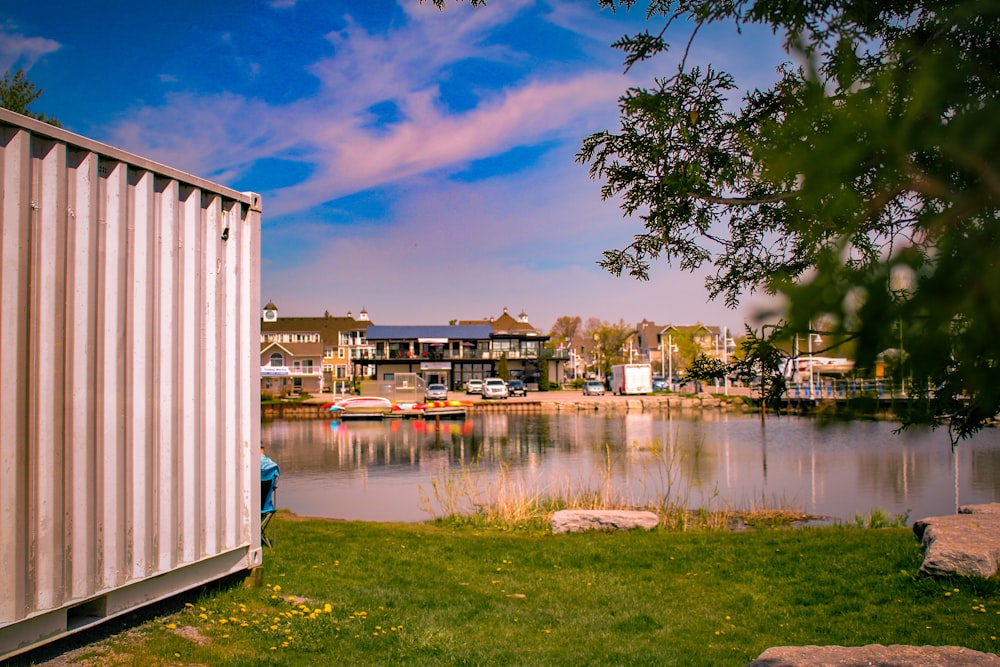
(362, 407)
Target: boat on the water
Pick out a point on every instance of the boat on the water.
(450, 409)
(362, 407)
(376, 407)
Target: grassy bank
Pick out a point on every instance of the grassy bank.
(377, 594)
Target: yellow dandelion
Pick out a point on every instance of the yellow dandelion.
(171, 626)
(244, 625)
(188, 604)
(274, 648)
(203, 617)
(225, 636)
(284, 644)
(223, 621)
(328, 608)
(177, 655)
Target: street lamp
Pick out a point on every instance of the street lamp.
(812, 386)
(597, 355)
(671, 348)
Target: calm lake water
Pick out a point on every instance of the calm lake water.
(387, 471)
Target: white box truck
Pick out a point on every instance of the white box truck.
(631, 379)
(130, 405)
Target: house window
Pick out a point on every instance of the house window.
(277, 359)
(340, 353)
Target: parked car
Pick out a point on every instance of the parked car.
(494, 388)
(436, 392)
(659, 384)
(474, 387)
(593, 388)
(517, 388)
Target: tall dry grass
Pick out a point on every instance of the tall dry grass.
(505, 497)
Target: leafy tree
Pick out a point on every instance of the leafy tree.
(565, 330)
(503, 368)
(543, 370)
(440, 4)
(687, 348)
(608, 340)
(760, 364)
(703, 368)
(863, 184)
(17, 93)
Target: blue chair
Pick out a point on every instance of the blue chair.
(268, 485)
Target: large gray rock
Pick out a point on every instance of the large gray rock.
(965, 544)
(575, 521)
(874, 654)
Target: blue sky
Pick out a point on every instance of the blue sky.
(415, 163)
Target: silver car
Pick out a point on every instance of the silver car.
(494, 388)
(436, 392)
(593, 388)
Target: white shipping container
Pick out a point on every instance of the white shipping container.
(129, 391)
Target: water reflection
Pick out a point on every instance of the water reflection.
(373, 470)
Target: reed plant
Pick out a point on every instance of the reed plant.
(500, 496)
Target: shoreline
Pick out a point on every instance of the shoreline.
(544, 402)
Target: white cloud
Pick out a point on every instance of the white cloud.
(18, 51)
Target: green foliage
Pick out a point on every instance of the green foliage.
(503, 368)
(879, 519)
(441, 4)
(544, 383)
(759, 364)
(610, 341)
(17, 94)
(704, 368)
(862, 185)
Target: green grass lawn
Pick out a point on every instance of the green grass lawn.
(353, 593)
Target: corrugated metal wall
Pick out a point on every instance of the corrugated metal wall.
(129, 392)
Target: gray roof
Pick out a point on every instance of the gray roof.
(451, 332)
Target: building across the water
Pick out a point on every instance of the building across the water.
(327, 354)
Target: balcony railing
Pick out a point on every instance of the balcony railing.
(464, 354)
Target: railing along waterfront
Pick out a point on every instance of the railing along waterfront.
(844, 389)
